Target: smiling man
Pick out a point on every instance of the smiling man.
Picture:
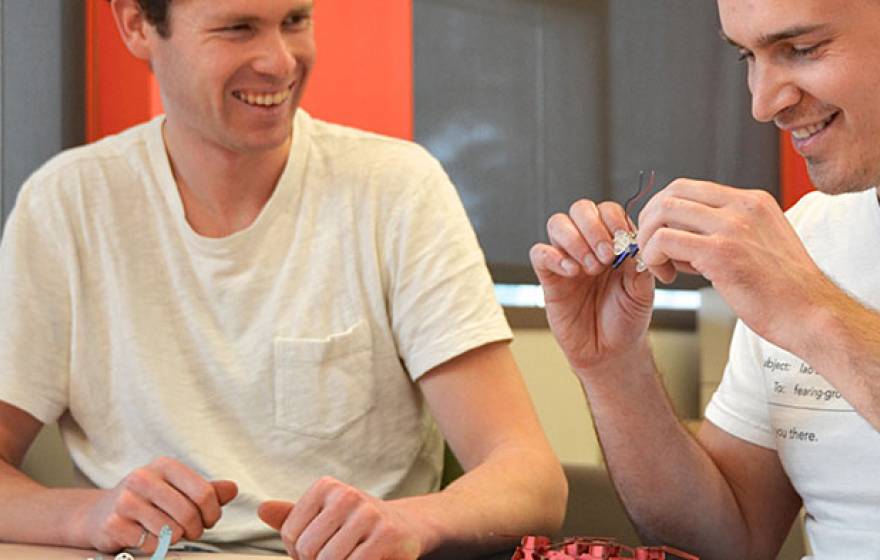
(247, 321)
(796, 419)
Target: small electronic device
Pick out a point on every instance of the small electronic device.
(592, 548)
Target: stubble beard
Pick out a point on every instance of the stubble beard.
(832, 182)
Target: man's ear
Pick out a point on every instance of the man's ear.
(133, 27)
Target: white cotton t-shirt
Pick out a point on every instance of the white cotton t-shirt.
(272, 357)
(774, 399)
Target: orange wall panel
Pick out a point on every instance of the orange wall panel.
(364, 74)
(793, 177)
(119, 88)
(363, 77)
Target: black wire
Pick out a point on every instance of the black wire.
(643, 190)
(636, 194)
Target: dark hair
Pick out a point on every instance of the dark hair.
(156, 12)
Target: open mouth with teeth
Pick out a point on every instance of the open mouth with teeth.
(269, 100)
(807, 132)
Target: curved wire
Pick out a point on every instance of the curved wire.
(643, 190)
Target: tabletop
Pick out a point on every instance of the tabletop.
(30, 552)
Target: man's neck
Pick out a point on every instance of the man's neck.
(222, 191)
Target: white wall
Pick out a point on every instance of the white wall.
(560, 401)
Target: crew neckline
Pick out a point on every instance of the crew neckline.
(280, 199)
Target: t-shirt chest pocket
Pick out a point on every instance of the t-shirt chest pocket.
(323, 385)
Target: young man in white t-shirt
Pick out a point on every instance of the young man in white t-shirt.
(796, 418)
(236, 306)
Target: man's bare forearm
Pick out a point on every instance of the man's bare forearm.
(516, 491)
(672, 490)
(843, 345)
(32, 513)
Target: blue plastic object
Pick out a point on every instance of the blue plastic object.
(164, 543)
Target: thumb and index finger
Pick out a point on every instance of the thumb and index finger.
(274, 512)
(226, 490)
(581, 243)
(208, 496)
(637, 284)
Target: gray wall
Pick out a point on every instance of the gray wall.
(511, 96)
(532, 104)
(42, 88)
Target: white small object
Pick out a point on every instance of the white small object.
(124, 556)
(625, 242)
(622, 240)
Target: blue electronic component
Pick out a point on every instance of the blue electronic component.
(164, 543)
(631, 251)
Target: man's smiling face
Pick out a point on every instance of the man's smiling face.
(232, 72)
(814, 69)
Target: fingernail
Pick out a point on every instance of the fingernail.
(606, 253)
(569, 266)
(590, 262)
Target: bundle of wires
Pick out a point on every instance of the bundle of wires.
(644, 189)
(625, 241)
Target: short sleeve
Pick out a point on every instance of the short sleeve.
(442, 300)
(35, 304)
(739, 405)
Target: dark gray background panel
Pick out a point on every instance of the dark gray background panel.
(486, 131)
(680, 102)
(486, 74)
(42, 64)
(533, 104)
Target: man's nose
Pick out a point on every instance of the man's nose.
(772, 91)
(275, 56)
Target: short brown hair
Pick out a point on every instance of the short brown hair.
(156, 12)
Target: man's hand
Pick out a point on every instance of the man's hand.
(596, 313)
(165, 492)
(740, 241)
(334, 521)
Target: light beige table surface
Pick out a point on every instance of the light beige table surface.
(27, 552)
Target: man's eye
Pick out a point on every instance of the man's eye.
(240, 28)
(299, 22)
(743, 54)
(804, 52)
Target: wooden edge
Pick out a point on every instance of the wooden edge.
(663, 319)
